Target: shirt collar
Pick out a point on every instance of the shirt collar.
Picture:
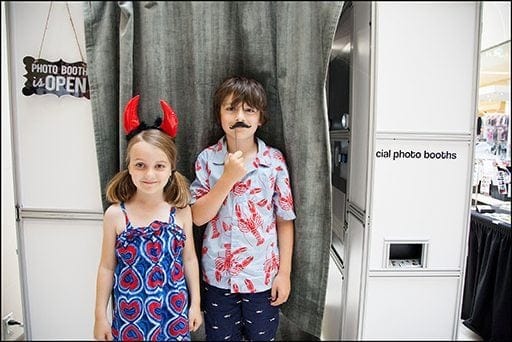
(221, 149)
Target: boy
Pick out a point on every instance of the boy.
(242, 191)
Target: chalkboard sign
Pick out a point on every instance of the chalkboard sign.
(58, 78)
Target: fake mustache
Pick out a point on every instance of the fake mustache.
(240, 124)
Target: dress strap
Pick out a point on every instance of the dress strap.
(171, 214)
(123, 208)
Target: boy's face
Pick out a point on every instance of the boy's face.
(243, 113)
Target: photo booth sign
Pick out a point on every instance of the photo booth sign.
(58, 78)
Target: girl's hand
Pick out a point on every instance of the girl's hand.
(195, 318)
(102, 330)
(234, 167)
(280, 290)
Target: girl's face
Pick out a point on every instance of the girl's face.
(229, 115)
(149, 168)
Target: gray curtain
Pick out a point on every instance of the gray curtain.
(180, 51)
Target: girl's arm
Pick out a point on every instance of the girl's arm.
(281, 286)
(191, 268)
(105, 278)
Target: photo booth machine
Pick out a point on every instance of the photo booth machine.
(402, 90)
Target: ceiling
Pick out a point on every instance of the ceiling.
(495, 65)
(494, 79)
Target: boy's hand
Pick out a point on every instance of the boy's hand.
(280, 290)
(234, 166)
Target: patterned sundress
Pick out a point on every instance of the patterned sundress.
(150, 299)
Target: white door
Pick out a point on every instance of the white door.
(57, 184)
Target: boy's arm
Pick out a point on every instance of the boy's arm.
(191, 268)
(281, 286)
(206, 207)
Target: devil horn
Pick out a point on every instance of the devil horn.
(170, 122)
(131, 117)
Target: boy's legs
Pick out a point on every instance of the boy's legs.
(260, 318)
(222, 314)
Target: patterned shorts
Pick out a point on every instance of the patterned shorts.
(238, 316)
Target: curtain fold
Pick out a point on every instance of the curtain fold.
(179, 52)
(486, 301)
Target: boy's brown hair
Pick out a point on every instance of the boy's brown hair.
(244, 90)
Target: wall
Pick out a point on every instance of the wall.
(11, 292)
(57, 183)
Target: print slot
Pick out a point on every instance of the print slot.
(406, 255)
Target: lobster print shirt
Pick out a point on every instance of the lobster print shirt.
(240, 250)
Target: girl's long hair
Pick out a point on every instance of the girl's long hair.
(176, 192)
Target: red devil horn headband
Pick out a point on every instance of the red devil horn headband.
(131, 117)
(132, 125)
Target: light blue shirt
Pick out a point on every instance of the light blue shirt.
(240, 248)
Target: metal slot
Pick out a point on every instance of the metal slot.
(405, 255)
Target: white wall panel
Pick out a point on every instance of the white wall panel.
(57, 171)
(56, 154)
(331, 324)
(421, 199)
(360, 135)
(11, 289)
(352, 283)
(425, 54)
(61, 264)
(410, 308)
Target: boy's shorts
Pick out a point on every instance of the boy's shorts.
(237, 316)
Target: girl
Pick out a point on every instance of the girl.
(148, 257)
